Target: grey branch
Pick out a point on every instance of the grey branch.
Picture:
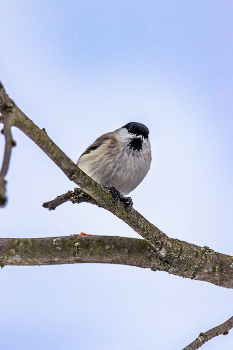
(6, 112)
(91, 249)
(76, 196)
(214, 332)
(76, 249)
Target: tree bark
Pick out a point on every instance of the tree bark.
(111, 250)
(76, 249)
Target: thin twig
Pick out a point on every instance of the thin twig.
(76, 196)
(6, 110)
(214, 332)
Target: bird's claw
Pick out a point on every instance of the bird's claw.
(118, 197)
(128, 202)
(115, 193)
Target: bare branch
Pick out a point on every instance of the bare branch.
(214, 332)
(6, 111)
(76, 249)
(76, 196)
(174, 256)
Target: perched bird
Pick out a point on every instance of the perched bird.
(119, 160)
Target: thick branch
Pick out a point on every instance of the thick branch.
(76, 249)
(214, 332)
(6, 111)
(174, 256)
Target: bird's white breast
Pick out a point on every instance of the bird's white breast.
(114, 164)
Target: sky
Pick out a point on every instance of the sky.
(80, 69)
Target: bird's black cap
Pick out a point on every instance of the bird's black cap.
(137, 129)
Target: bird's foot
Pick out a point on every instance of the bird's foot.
(120, 198)
(128, 201)
(115, 193)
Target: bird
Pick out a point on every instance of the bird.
(119, 160)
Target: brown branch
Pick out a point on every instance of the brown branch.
(214, 332)
(174, 256)
(6, 111)
(76, 196)
(76, 249)
(90, 249)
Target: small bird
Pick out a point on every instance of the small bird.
(119, 160)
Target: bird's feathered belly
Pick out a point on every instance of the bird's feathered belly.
(123, 170)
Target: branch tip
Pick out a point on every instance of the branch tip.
(212, 333)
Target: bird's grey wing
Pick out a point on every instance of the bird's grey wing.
(98, 142)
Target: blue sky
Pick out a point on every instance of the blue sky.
(83, 68)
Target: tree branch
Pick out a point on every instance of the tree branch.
(214, 332)
(6, 111)
(76, 249)
(174, 256)
(76, 196)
